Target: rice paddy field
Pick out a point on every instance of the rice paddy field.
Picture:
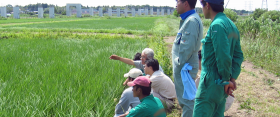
(61, 67)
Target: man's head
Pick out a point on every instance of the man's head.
(151, 66)
(133, 73)
(147, 53)
(209, 6)
(185, 5)
(141, 86)
(137, 56)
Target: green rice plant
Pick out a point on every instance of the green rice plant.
(161, 54)
(63, 76)
(137, 23)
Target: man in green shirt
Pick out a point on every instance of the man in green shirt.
(150, 106)
(221, 60)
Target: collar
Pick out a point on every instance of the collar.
(156, 73)
(218, 15)
(187, 14)
(150, 96)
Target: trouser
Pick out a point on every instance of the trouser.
(186, 105)
(210, 97)
(229, 99)
(166, 102)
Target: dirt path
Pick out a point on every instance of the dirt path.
(257, 94)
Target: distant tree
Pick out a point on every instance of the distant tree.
(231, 14)
(175, 13)
(258, 12)
(9, 8)
(273, 15)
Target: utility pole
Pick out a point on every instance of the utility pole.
(276, 4)
(248, 6)
(264, 4)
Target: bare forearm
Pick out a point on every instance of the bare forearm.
(127, 61)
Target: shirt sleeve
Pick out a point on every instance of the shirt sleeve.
(123, 104)
(138, 65)
(222, 51)
(188, 41)
(237, 59)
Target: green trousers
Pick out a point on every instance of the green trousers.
(210, 98)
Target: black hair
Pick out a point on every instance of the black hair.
(192, 3)
(215, 7)
(154, 63)
(145, 90)
(137, 56)
(199, 55)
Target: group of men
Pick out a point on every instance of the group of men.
(221, 58)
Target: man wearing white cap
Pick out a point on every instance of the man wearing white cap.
(127, 100)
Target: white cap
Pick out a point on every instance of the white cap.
(133, 73)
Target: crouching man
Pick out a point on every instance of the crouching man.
(150, 106)
(127, 100)
(162, 86)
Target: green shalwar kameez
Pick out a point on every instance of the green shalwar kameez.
(221, 59)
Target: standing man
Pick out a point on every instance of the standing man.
(127, 100)
(185, 48)
(221, 60)
(162, 86)
(150, 106)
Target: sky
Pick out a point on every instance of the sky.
(233, 4)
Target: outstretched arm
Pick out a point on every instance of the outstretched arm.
(124, 60)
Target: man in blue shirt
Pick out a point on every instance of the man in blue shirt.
(127, 100)
(185, 48)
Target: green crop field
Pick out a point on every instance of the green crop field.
(65, 77)
(61, 67)
(139, 23)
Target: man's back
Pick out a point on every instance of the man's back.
(222, 36)
(163, 85)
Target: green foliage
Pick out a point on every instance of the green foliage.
(231, 14)
(273, 15)
(175, 13)
(269, 82)
(249, 27)
(63, 13)
(258, 12)
(58, 71)
(246, 105)
(136, 24)
(206, 22)
(3, 18)
(201, 15)
(31, 13)
(161, 54)
(260, 42)
(86, 15)
(63, 77)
